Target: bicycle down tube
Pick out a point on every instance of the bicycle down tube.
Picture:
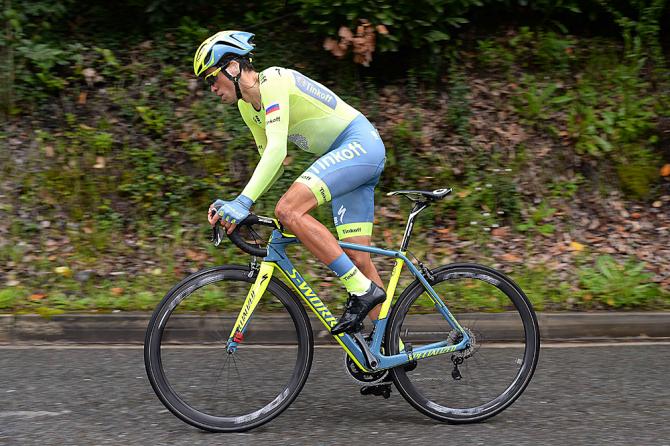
(278, 259)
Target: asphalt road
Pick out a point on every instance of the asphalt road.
(580, 395)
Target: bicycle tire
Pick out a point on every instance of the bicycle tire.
(177, 388)
(472, 405)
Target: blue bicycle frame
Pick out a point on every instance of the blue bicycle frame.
(277, 259)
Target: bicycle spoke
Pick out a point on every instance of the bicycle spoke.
(484, 373)
(192, 379)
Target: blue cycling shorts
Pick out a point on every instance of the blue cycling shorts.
(347, 175)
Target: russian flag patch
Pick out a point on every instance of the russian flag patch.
(272, 108)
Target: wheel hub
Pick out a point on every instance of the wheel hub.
(455, 337)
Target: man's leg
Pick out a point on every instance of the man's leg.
(363, 261)
(292, 210)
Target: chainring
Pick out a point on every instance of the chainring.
(360, 376)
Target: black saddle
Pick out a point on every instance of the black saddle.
(423, 195)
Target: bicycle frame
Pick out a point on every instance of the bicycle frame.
(278, 260)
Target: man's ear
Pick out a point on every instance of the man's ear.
(233, 68)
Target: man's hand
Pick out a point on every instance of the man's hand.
(230, 213)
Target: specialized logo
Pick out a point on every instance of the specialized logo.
(271, 108)
(315, 90)
(251, 301)
(429, 353)
(353, 150)
(341, 213)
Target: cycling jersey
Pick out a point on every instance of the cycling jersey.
(295, 108)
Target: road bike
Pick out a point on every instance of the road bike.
(217, 372)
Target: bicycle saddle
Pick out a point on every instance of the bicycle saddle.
(423, 195)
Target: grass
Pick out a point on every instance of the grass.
(602, 284)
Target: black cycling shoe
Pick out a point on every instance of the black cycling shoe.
(357, 308)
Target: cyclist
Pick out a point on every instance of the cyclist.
(280, 105)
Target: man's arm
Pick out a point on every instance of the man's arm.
(275, 97)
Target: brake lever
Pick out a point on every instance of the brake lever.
(217, 235)
(217, 231)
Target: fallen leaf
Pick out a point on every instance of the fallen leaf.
(509, 257)
(82, 98)
(63, 271)
(500, 232)
(329, 44)
(387, 236)
(576, 246)
(99, 162)
(345, 33)
(117, 291)
(195, 255)
(49, 151)
(37, 296)
(656, 204)
(665, 170)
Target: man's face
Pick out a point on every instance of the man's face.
(222, 86)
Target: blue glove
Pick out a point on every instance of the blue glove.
(234, 211)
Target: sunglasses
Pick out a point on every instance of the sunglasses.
(210, 79)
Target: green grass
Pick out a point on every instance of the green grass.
(602, 284)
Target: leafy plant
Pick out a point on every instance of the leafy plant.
(458, 113)
(8, 297)
(537, 217)
(618, 285)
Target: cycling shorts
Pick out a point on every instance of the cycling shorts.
(346, 176)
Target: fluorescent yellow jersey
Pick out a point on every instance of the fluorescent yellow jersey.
(294, 108)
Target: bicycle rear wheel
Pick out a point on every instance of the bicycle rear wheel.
(198, 380)
(485, 378)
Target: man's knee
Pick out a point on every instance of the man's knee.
(286, 213)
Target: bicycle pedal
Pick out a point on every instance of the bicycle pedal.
(378, 390)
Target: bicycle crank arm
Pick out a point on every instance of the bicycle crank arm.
(369, 357)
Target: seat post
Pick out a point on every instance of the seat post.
(418, 207)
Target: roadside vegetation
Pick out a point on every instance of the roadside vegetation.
(551, 122)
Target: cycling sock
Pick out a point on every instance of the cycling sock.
(351, 277)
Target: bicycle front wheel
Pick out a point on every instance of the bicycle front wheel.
(198, 380)
(492, 372)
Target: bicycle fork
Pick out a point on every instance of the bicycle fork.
(253, 297)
